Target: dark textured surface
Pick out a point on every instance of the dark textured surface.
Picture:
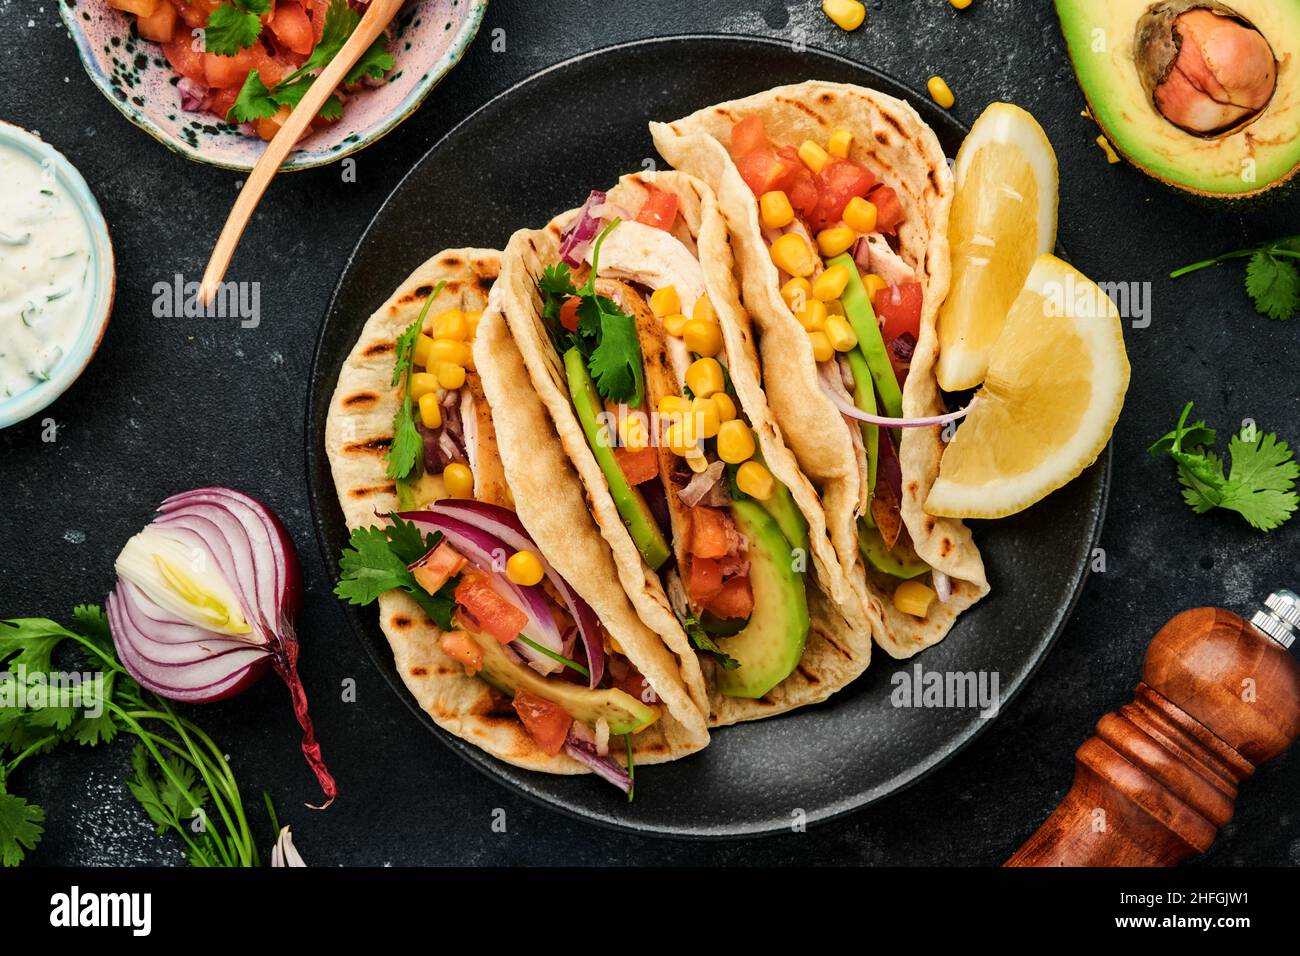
(171, 404)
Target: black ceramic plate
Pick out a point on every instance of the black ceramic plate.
(538, 149)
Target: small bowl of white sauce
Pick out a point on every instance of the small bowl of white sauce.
(56, 274)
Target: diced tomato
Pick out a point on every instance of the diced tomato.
(221, 71)
(268, 126)
(489, 610)
(659, 210)
(569, 313)
(220, 101)
(763, 170)
(438, 567)
(889, 211)
(747, 136)
(293, 28)
(195, 13)
(638, 465)
(459, 646)
(711, 532)
(318, 10)
(735, 600)
(899, 306)
(704, 580)
(546, 721)
(629, 681)
(184, 59)
(839, 181)
(271, 69)
(161, 26)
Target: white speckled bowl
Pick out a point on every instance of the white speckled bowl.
(430, 38)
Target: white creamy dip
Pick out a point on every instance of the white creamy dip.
(44, 271)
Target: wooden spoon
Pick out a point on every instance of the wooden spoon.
(377, 16)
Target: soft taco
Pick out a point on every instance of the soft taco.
(522, 651)
(625, 313)
(837, 199)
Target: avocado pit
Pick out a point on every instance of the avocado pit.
(1207, 69)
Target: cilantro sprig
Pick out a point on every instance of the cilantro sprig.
(1259, 484)
(376, 560)
(606, 335)
(1272, 277)
(405, 451)
(234, 26)
(704, 641)
(178, 773)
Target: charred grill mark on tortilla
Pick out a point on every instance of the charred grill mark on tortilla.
(360, 399)
(373, 446)
(379, 348)
(370, 491)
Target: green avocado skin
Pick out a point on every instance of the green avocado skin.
(770, 646)
(631, 506)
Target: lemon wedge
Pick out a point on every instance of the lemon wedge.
(1055, 385)
(1003, 217)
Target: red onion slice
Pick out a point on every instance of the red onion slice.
(585, 228)
(604, 767)
(942, 585)
(505, 524)
(848, 409)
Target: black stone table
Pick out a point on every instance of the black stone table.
(170, 404)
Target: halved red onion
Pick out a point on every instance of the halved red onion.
(942, 585)
(576, 239)
(244, 545)
(505, 524)
(850, 410)
(584, 751)
(486, 550)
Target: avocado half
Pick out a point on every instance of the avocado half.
(1123, 50)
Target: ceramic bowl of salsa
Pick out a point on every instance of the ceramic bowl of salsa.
(163, 85)
(56, 274)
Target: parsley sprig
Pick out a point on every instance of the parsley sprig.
(606, 335)
(376, 561)
(178, 773)
(1258, 486)
(1272, 278)
(257, 101)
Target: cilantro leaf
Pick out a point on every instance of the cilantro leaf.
(408, 542)
(230, 29)
(254, 101)
(374, 62)
(407, 442)
(20, 827)
(1258, 485)
(29, 643)
(1273, 285)
(169, 798)
(291, 94)
(704, 641)
(374, 564)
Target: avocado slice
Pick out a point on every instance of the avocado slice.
(1126, 79)
(862, 316)
(780, 505)
(873, 549)
(632, 507)
(769, 647)
(864, 397)
(625, 714)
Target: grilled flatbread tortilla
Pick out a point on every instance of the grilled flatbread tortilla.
(892, 141)
(358, 432)
(838, 642)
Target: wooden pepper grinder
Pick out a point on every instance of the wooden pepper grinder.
(1218, 697)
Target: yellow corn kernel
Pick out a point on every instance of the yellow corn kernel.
(524, 567)
(447, 352)
(960, 4)
(821, 346)
(840, 142)
(840, 334)
(704, 377)
(735, 442)
(846, 14)
(860, 214)
(835, 307)
(471, 324)
(796, 293)
(755, 480)
(675, 324)
(914, 598)
(813, 317)
(458, 480)
(421, 354)
(422, 383)
(665, 301)
(830, 284)
(813, 156)
(792, 254)
(775, 209)
(726, 407)
(430, 410)
(681, 439)
(703, 310)
(835, 240)
(702, 337)
(874, 284)
(940, 93)
(450, 325)
(450, 377)
(707, 420)
(677, 405)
